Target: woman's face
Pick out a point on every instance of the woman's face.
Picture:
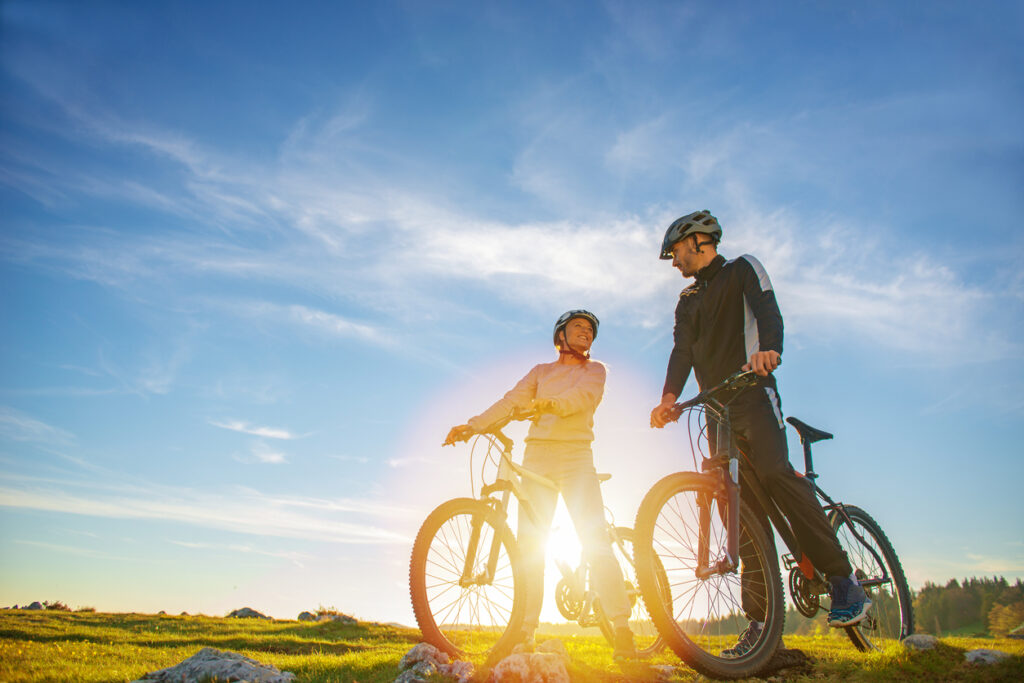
(580, 334)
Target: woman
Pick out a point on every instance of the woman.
(566, 393)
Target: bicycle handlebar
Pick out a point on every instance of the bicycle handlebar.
(734, 382)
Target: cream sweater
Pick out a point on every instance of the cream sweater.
(576, 389)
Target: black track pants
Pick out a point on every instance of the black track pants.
(761, 436)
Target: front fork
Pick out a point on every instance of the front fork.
(726, 489)
(486, 576)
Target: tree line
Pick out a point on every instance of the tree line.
(992, 606)
(975, 606)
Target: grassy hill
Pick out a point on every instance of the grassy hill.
(97, 647)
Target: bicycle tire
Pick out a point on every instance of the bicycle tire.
(480, 621)
(648, 641)
(700, 618)
(891, 616)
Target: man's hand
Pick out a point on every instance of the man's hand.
(458, 433)
(763, 363)
(664, 412)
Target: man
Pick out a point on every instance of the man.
(728, 320)
(566, 392)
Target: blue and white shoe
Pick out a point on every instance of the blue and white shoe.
(849, 602)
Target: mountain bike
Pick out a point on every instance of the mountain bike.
(466, 576)
(720, 559)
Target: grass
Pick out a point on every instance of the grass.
(103, 648)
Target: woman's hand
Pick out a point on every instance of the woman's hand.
(458, 433)
(545, 405)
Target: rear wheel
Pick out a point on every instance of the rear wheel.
(475, 614)
(890, 618)
(703, 613)
(645, 634)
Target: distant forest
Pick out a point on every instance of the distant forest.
(984, 607)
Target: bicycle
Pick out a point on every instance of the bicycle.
(720, 560)
(466, 574)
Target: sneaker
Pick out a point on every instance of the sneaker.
(625, 649)
(746, 641)
(849, 602)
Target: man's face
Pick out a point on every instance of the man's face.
(580, 333)
(685, 256)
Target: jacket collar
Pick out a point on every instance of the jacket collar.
(705, 274)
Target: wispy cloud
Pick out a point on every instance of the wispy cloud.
(321, 210)
(256, 430)
(297, 558)
(17, 426)
(252, 513)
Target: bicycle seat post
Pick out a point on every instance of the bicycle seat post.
(808, 462)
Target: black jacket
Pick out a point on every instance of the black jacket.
(728, 313)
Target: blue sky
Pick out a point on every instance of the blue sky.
(256, 259)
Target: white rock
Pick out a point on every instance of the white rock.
(210, 663)
(423, 652)
(538, 667)
(986, 656)
(920, 641)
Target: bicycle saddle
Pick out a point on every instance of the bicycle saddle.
(808, 433)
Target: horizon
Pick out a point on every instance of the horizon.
(257, 260)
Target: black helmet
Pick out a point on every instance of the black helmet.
(564, 319)
(681, 228)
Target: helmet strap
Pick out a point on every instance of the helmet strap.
(566, 349)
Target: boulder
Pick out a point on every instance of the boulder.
(425, 662)
(307, 616)
(554, 647)
(423, 652)
(985, 656)
(212, 664)
(35, 605)
(247, 613)
(920, 641)
(535, 667)
(343, 618)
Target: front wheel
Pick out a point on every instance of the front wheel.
(890, 617)
(680, 532)
(645, 634)
(466, 582)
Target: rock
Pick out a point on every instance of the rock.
(986, 656)
(554, 647)
(307, 616)
(538, 667)
(35, 605)
(920, 641)
(425, 662)
(460, 670)
(423, 652)
(212, 664)
(343, 618)
(247, 613)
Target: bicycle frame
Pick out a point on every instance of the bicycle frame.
(508, 483)
(725, 470)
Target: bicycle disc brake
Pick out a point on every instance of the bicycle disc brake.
(806, 599)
